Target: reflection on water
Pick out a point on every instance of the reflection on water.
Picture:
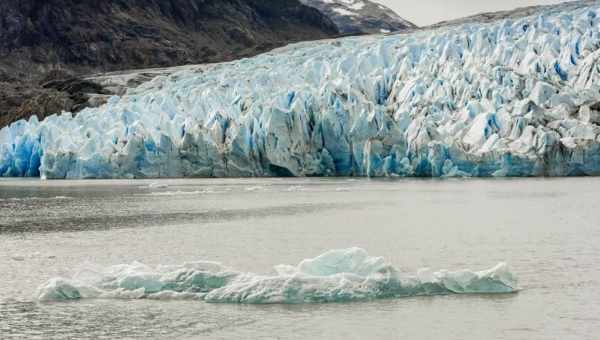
(104, 222)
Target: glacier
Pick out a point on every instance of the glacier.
(514, 97)
(336, 276)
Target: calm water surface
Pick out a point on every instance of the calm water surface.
(548, 230)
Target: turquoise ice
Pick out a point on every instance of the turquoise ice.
(518, 97)
(336, 276)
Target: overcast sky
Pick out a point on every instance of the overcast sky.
(424, 12)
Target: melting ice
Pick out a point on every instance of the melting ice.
(335, 276)
(519, 97)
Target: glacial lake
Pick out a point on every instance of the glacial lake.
(547, 230)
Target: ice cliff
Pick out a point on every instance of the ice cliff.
(516, 97)
(335, 276)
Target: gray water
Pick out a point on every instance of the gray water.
(548, 230)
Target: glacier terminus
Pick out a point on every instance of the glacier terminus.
(515, 97)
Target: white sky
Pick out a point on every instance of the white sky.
(425, 12)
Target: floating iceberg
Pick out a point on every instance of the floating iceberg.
(336, 276)
(516, 97)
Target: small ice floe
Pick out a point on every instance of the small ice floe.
(157, 185)
(342, 275)
(31, 256)
(183, 193)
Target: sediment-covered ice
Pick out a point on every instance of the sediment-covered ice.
(336, 276)
(518, 97)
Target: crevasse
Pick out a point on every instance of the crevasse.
(519, 97)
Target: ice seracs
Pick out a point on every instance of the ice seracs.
(335, 276)
(517, 97)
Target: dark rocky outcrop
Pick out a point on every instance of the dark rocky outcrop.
(45, 45)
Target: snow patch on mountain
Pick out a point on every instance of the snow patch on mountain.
(360, 16)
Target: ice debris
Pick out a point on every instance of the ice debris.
(157, 185)
(335, 276)
(516, 97)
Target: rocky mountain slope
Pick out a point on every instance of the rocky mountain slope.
(43, 43)
(519, 96)
(360, 16)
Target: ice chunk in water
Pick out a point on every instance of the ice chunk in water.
(335, 276)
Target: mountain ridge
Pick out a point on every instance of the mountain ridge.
(361, 16)
(45, 41)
